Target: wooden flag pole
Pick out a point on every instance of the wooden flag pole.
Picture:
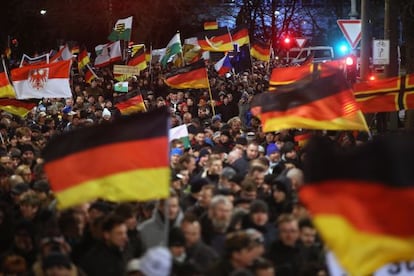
(211, 95)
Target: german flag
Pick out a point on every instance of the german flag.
(240, 36)
(386, 95)
(210, 25)
(288, 75)
(6, 89)
(130, 103)
(148, 55)
(75, 49)
(302, 138)
(17, 107)
(83, 58)
(191, 76)
(138, 60)
(326, 103)
(89, 74)
(260, 51)
(215, 40)
(126, 160)
(362, 199)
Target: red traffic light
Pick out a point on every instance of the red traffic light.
(349, 61)
(286, 40)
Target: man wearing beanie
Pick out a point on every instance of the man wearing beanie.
(273, 155)
(258, 219)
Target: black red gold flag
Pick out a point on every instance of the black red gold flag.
(191, 76)
(126, 160)
(130, 103)
(361, 200)
(325, 103)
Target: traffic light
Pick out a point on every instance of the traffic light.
(342, 49)
(351, 68)
(287, 42)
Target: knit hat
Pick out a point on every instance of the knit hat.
(197, 184)
(41, 186)
(216, 118)
(271, 148)
(258, 206)
(287, 147)
(106, 114)
(66, 109)
(157, 261)
(282, 183)
(26, 147)
(19, 188)
(176, 151)
(228, 172)
(203, 152)
(241, 141)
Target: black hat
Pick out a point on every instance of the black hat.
(241, 141)
(282, 183)
(287, 147)
(41, 186)
(237, 178)
(197, 184)
(176, 237)
(19, 188)
(101, 206)
(56, 259)
(203, 152)
(258, 206)
(26, 147)
(226, 133)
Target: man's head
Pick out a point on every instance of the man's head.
(288, 229)
(307, 232)
(215, 165)
(192, 230)
(114, 231)
(173, 206)
(259, 212)
(220, 212)
(239, 249)
(252, 150)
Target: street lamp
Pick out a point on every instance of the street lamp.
(43, 12)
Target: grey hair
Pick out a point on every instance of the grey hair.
(219, 199)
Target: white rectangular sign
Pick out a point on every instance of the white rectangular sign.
(381, 52)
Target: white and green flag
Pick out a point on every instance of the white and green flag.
(173, 48)
(121, 30)
(121, 86)
(180, 132)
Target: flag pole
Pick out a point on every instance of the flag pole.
(270, 57)
(211, 95)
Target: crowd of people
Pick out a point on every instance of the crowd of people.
(233, 208)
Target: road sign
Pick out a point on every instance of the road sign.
(381, 52)
(300, 41)
(351, 28)
(125, 69)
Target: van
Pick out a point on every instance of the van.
(320, 54)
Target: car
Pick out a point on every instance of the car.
(319, 53)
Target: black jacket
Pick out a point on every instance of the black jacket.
(103, 260)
